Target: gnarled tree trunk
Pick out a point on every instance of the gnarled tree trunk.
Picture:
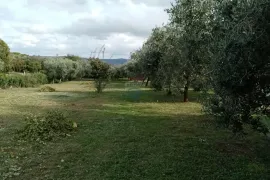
(147, 82)
(186, 91)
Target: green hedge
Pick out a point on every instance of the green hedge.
(22, 80)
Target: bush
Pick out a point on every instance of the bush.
(261, 123)
(40, 78)
(213, 105)
(20, 80)
(47, 89)
(228, 115)
(101, 73)
(47, 127)
(2, 80)
(100, 85)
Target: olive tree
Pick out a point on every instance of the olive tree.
(118, 72)
(50, 66)
(5, 55)
(150, 56)
(86, 65)
(100, 71)
(190, 20)
(18, 61)
(133, 67)
(2, 66)
(32, 64)
(241, 62)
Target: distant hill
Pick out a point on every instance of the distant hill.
(115, 61)
(118, 61)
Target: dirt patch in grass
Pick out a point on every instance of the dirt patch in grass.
(235, 149)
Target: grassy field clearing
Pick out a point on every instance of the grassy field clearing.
(128, 132)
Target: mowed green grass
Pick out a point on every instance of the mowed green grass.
(128, 132)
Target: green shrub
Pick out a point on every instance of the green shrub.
(100, 73)
(100, 84)
(34, 79)
(22, 80)
(3, 81)
(261, 123)
(47, 89)
(47, 127)
(226, 114)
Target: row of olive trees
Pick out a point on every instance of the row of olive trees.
(63, 69)
(176, 55)
(223, 45)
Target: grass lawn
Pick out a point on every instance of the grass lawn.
(127, 132)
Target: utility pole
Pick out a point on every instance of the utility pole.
(103, 52)
(101, 49)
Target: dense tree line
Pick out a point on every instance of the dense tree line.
(54, 69)
(218, 45)
(57, 69)
(24, 63)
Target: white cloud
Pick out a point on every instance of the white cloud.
(39, 28)
(29, 40)
(79, 26)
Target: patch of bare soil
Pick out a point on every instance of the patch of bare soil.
(235, 148)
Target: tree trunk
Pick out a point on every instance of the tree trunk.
(143, 80)
(186, 91)
(147, 82)
(169, 92)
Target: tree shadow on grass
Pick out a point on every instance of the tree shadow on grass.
(127, 91)
(150, 96)
(133, 96)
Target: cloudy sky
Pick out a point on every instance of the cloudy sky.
(50, 27)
